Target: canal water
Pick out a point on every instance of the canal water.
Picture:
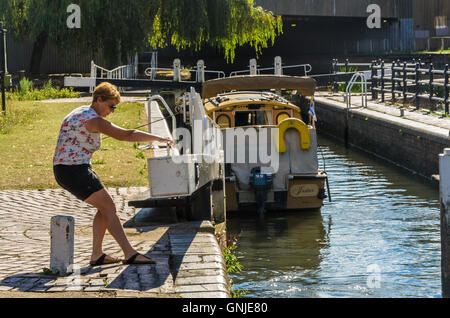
(378, 237)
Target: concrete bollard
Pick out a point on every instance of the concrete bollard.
(62, 244)
(253, 67)
(444, 193)
(177, 70)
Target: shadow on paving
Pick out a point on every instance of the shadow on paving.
(179, 236)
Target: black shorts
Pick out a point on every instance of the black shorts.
(80, 180)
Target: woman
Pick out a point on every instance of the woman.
(79, 137)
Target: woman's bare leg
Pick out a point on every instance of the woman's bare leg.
(106, 208)
(98, 231)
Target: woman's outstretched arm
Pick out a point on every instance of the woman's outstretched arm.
(105, 127)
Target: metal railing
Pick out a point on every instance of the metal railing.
(198, 73)
(411, 80)
(277, 69)
(350, 85)
(340, 69)
(121, 72)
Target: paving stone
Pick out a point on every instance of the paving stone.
(76, 288)
(212, 258)
(132, 285)
(39, 288)
(208, 265)
(94, 288)
(200, 280)
(201, 272)
(204, 295)
(201, 288)
(116, 283)
(54, 289)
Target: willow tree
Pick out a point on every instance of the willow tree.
(118, 29)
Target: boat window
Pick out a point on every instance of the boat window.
(259, 118)
(223, 121)
(282, 116)
(249, 118)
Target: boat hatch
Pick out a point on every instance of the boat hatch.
(250, 118)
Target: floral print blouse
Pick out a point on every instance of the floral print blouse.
(75, 143)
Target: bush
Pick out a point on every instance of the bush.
(48, 91)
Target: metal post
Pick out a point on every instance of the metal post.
(374, 81)
(393, 81)
(382, 81)
(444, 193)
(446, 89)
(334, 67)
(3, 65)
(404, 83)
(416, 99)
(136, 64)
(431, 86)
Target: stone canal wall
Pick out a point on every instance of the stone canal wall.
(411, 144)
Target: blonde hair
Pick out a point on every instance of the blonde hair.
(106, 91)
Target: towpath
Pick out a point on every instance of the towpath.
(189, 261)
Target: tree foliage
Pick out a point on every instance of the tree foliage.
(119, 28)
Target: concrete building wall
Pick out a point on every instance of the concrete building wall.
(432, 16)
(418, 22)
(334, 8)
(76, 60)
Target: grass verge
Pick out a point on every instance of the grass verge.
(28, 134)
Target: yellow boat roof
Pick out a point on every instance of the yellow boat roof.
(237, 99)
(305, 85)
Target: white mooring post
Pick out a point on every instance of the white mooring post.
(176, 70)
(253, 67)
(93, 75)
(62, 244)
(278, 66)
(200, 71)
(444, 193)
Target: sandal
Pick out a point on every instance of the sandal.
(102, 260)
(132, 260)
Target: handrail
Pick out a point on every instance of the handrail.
(120, 72)
(306, 68)
(159, 98)
(199, 77)
(349, 87)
